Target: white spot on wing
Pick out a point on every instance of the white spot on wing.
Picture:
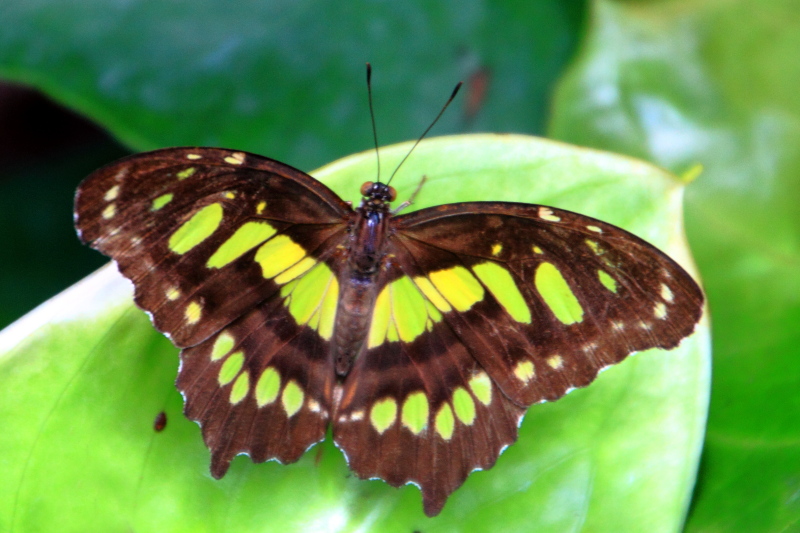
(236, 158)
(546, 213)
(112, 193)
(666, 293)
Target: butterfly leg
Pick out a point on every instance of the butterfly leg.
(412, 197)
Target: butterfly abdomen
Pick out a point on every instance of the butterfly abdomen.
(353, 319)
(359, 290)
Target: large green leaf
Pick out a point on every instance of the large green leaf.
(83, 376)
(286, 77)
(715, 83)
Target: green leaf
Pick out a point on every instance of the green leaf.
(715, 83)
(83, 377)
(287, 78)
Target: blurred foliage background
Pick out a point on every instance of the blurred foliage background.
(708, 84)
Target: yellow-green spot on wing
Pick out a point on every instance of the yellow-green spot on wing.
(500, 283)
(392, 335)
(248, 236)
(464, 406)
(383, 414)
(173, 294)
(445, 423)
(402, 312)
(196, 229)
(296, 270)
(557, 294)
(607, 281)
(230, 368)
(222, 346)
(292, 398)
(381, 316)
(524, 371)
(161, 201)
(408, 308)
(240, 388)
(186, 173)
(278, 254)
(458, 286)
(481, 386)
(327, 311)
(415, 412)
(555, 361)
(316, 292)
(593, 245)
(267, 387)
(433, 295)
(193, 312)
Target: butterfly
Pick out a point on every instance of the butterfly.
(421, 338)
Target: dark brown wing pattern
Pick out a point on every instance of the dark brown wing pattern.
(503, 305)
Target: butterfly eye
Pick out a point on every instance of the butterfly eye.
(366, 187)
(392, 194)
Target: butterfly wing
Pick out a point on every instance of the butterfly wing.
(489, 308)
(232, 255)
(185, 226)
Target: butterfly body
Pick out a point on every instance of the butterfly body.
(359, 274)
(419, 338)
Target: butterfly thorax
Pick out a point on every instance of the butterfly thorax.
(366, 250)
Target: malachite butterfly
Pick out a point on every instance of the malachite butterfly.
(420, 338)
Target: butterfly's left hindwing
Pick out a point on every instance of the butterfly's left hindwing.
(263, 386)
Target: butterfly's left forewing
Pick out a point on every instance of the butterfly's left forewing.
(188, 227)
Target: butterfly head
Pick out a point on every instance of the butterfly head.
(377, 194)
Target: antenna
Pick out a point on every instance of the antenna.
(452, 96)
(372, 115)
